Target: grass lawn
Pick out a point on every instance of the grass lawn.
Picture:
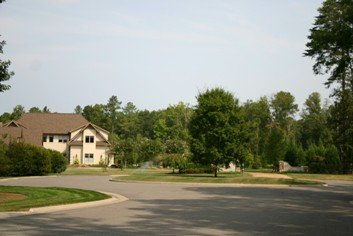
(95, 171)
(18, 198)
(320, 176)
(167, 176)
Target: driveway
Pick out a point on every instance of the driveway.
(192, 209)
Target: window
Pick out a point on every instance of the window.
(88, 158)
(89, 139)
(62, 139)
(51, 139)
(44, 139)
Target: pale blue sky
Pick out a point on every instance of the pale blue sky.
(154, 52)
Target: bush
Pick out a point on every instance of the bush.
(323, 160)
(26, 159)
(295, 155)
(249, 160)
(257, 162)
(192, 168)
(332, 159)
(4, 160)
(58, 162)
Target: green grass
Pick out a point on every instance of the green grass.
(39, 197)
(223, 178)
(320, 176)
(95, 171)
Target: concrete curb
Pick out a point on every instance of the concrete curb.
(115, 198)
(28, 177)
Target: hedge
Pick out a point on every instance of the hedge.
(20, 159)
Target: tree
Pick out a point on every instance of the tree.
(330, 45)
(17, 112)
(314, 127)
(78, 110)
(259, 116)
(128, 121)
(5, 74)
(283, 107)
(96, 115)
(46, 109)
(111, 109)
(34, 110)
(216, 129)
(275, 147)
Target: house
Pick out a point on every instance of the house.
(71, 134)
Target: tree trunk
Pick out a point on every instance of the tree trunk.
(215, 171)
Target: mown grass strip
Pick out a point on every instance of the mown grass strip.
(237, 178)
(48, 196)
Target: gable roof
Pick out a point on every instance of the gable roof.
(82, 128)
(13, 123)
(52, 123)
(32, 126)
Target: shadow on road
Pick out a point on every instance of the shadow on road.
(211, 211)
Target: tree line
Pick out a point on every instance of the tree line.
(256, 133)
(267, 130)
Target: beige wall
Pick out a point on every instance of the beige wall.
(99, 153)
(75, 152)
(55, 145)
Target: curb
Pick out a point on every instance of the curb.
(115, 198)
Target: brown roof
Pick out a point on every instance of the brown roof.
(10, 134)
(38, 124)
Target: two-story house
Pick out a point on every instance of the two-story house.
(71, 134)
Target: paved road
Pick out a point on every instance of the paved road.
(191, 209)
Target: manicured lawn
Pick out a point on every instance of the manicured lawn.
(320, 176)
(18, 198)
(246, 178)
(95, 171)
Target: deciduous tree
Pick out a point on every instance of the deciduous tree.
(216, 129)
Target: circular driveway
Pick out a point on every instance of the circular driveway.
(191, 209)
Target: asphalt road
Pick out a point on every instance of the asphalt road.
(192, 209)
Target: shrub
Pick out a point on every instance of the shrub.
(249, 160)
(332, 159)
(295, 155)
(323, 159)
(4, 160)
(26, 159)
(257, 162)
(58, 162)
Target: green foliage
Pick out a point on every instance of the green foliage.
(259, 119)
(295, 154)
(314, 125)
(150, 149)
(28, 160)
(283, 108)
(330, 41)
(323, 159)
(5, 164)
(5, 74)
(330, 44)
(176, 161)
(217, 129)
(257, 162)
(58, 161)
(275, 146)
(332, 160)
(78, 110)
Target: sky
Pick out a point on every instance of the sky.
(155, 53)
